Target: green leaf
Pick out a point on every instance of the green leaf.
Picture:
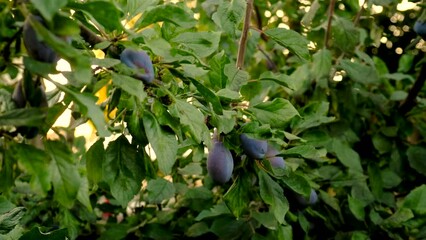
(237, 198)
(297, 183)
(83, 194)
(35, 163)
(216, 210)
(357, 208)
(346, 155)
(359, 72)
(202, 44)
(401, 216)
(296, 43)
(105, 13)
(95, 157)
(313, 115)
(191, 169)
(132, 86)
(281, 79)
(390, 178)
(48, 8)
(417, 158)
(190, 118)
(159, 190)
(276, 113)
(65, 177)
(80, 64)
(345, 34)
(35, 233)
(217, 74)
(88, 107)
(135, 7)
(236, 77)
(272, 193)
(229, 15)
(10, 219)
(31, 117)
(122, 170)
(197, 229)
(168, 13)
(209, 96)
(165, 144)
(225, 123)
(415, 200)
(5, 205)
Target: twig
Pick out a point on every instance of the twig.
(94, 39)
(243, 39)
(358, 15)
(330, 17)
(259, 23)
(410, 102)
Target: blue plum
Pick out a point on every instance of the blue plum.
(271, 156)
(253, 148)
(277, 162)
(36, 48)
(420, 28)
(313, 198)
(220, 163)
(139, 60)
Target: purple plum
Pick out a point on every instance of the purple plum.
(220, 163)
(139, 59)
(253, 148)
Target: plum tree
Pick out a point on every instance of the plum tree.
(220, 163)
(36, 48)
(139, 60)
(253, 148)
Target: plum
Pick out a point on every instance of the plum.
(139, 60)
(313, 198)
(253, 148)
(36, 96)
(220, 163)
(36, 48)
(277, 162)
(18, 96)
(420, 28)
(271, 156)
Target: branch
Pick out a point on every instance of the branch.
(410, 102)
(243, 39)
(358, 15)
(259, 23)
(93, 39)
(330, 17)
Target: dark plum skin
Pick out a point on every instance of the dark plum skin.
(18, 96)
(37, 99)
(313, 198)
(253, 148)
(139, 59)
(220, 163)
(37, 49)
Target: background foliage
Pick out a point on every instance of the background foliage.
(331, 94)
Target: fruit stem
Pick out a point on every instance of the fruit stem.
(243, 39)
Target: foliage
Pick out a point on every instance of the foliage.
(337, 91)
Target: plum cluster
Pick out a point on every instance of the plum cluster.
(139, 61)
(260, 149)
